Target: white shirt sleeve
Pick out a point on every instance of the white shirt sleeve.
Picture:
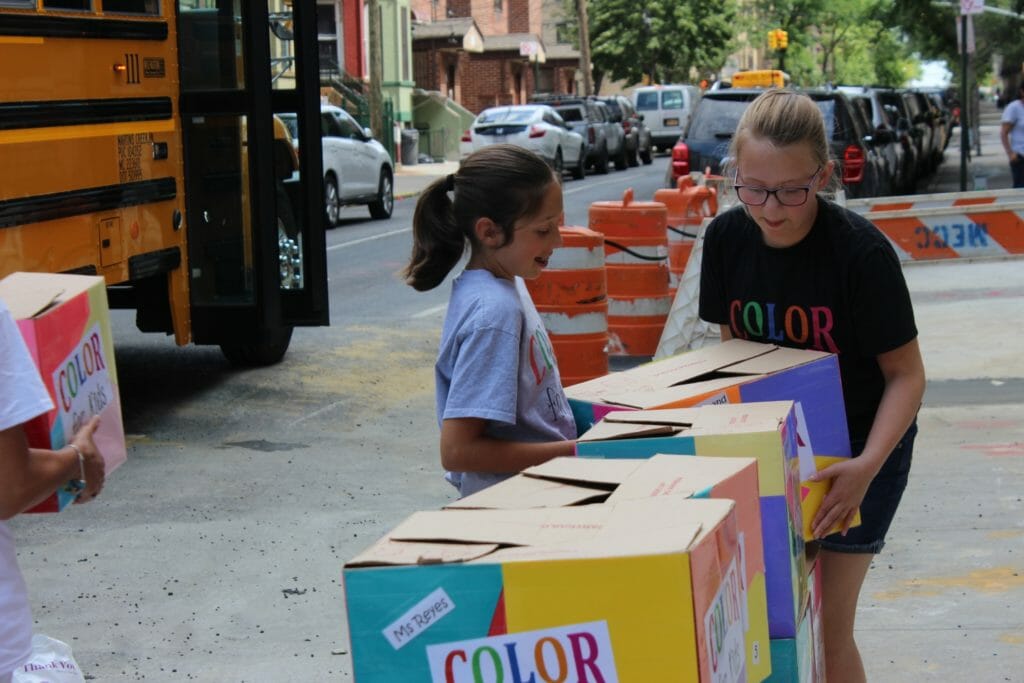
(22, 394)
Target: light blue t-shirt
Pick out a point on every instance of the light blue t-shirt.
(1014, 113)
(496, 363)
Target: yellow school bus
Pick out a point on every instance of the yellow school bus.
(760, 78)
(139, 141)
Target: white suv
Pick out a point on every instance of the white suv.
(357, 168)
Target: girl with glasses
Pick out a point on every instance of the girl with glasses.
(790, 268)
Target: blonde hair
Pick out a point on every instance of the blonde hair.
(783, 118)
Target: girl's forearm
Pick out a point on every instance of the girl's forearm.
(487, 454)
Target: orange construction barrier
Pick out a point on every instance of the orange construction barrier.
(571, 296)
(636, 261)
(688, 206)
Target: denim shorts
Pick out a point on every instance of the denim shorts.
(880, 502)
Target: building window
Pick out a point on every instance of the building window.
(327, 36)
(563, 34)
(498, 5)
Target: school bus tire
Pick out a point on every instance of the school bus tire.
(268, 349)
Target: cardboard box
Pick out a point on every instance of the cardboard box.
(765, 431)
(736, 371)
(65, 322)
(644, 590)
(802, 659)
(573, 481)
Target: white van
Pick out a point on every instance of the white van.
(666, 110)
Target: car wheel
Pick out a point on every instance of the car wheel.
(332, 201)
(645, 156)
(633, 158)
(557, 165)
(601, 165)
(580, 172)
(621, 161)
(385, 204)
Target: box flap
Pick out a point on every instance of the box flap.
(673, 475)
(725, 418)
(668, 372)
(655, 397)
(524, 492)
(740, 418)
(780, 359)
(595, 471)
(29, 294)
(608, 431)
(389, 552)
(542, 527)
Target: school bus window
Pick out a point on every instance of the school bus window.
(151, 7)
(17, 3)
(214, 60)
(83, 5)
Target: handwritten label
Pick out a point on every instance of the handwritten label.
(419, 618)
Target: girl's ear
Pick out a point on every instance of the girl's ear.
(488, 233)
(826, 174)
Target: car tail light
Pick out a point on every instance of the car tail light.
(853, 164)
(537, 132)
(680, 161)
(466, 137)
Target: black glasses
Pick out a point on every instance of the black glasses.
(752, 195)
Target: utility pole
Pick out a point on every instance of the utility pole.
(375, 50)
(581, 17)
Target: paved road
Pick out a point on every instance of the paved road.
(214, 554)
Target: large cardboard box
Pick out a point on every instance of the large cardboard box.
(766, 431)
(65, 322)
(736, 371)
(574, 481)
(645, 590)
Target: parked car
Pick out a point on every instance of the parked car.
(705, 145)
(667, 110)
(909, 135)
(357, 168)
(536, 127)
(861, 166)
(592, 119)
(884, 138)
(638, 135)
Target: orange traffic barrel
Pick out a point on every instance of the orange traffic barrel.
(571, 296)
(688, 206)
(636, 262)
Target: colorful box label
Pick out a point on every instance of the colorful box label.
(723, 624)
(578, 652)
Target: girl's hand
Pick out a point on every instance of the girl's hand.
(850, 481)
(94, 465)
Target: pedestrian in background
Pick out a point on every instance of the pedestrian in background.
(1012, 135)
(500, 402)
(813, 264)
(27, 476)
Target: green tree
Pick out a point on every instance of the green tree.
(660, 39)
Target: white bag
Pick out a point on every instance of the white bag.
(50, 662)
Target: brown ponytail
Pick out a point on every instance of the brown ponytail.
(500, 182)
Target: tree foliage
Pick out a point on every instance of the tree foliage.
(661, 39)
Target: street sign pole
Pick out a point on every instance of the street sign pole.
(964, 139)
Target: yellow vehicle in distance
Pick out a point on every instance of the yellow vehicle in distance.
(760, 78)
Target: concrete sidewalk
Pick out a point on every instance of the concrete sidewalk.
(412, 179)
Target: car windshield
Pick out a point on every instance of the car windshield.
(507, 115)
(716, 118)
(647, 101)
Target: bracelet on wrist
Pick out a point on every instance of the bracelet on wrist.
(81, 460)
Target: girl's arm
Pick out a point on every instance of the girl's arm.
(29, 475)
(903, 370)
(465, 448)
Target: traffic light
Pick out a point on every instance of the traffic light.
(781, 39)
(773, 39)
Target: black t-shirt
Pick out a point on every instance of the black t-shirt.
(840, 289)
